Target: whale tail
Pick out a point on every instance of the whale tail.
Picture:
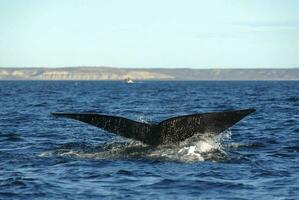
(169, 131)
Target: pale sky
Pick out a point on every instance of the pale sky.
(150, 33)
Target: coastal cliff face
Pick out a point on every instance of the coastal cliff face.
(107, 73)
(77, 74)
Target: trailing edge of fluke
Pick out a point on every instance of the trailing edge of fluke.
(169, 131)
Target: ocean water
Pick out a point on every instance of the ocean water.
(43, 157)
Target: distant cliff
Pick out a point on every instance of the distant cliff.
(79, 73)
(109, 73)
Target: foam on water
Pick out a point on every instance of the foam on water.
(196, 148)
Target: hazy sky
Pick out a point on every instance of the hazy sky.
(149, 33)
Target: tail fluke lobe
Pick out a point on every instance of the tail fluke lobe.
(177, 129)
(125, 127)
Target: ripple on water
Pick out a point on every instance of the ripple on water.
(11, 137)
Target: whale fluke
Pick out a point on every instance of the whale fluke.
(169, 131)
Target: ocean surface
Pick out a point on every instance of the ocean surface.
(43, 157)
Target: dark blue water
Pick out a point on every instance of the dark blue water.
(42, 157)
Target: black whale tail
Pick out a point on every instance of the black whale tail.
(169, 131)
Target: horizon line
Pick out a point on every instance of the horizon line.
(153, 67)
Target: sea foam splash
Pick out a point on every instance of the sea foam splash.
(194, 149)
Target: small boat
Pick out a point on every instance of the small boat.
(129, 80)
